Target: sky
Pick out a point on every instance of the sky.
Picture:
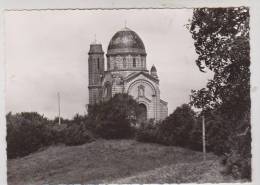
(46, 52)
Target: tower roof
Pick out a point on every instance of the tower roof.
(126, 41)
(95, 48)
(153, 69)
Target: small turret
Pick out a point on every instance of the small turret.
(153, 72)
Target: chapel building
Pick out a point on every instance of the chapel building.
(126, 73)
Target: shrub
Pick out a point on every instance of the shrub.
(238, 165)
(77, 134)
(147, 132)
(238, 160)
(216, 134)
(230, 137)
(115, 118)
(79, 118)
(176, 128)
(26, 134)
(195, 137)
(114, 129)
(57, 132)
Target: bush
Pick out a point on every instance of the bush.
(176, 128)
(229, 137)
(115, 118)
(77, 134)
(216, 134)
(57, 132)
(195, 137)
(26, 134)
(217, 137)
(114, 129)
(238, 160)
(237, 165)
(147, 133)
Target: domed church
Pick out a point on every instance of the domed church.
(126, 73)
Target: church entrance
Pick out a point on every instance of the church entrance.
(143, 113)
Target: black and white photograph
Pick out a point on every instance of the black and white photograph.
(128, 96)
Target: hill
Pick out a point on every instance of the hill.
(115, 161)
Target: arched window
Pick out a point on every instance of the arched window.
(107, 93)
(142, 63)
(134, 62)
(124, 62)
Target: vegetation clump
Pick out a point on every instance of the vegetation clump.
(27, 132)
(115, 118)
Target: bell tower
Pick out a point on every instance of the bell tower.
(96, 72)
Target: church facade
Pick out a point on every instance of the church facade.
(126, 73)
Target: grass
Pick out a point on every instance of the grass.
(115, 161)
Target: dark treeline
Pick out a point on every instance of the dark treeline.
(27, 132)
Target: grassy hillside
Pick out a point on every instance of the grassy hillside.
(114, 161)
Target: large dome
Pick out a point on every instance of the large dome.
(126, 41)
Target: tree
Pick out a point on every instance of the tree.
(176, 128)
(62, 120)
(221, 38)
(222, 43)
(26, 133)
(79, 118)
(115, 117)
(77, 134)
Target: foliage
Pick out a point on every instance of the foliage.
(114, 129)
(116, 117)
(176, 128)
(77, 134)
(222, 42)
(147, 132)
(26, 133)
(237, 165)
(62, 120)
(217, 133)
(238, 160)
(221, 38)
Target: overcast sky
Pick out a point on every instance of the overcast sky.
(46, 53)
